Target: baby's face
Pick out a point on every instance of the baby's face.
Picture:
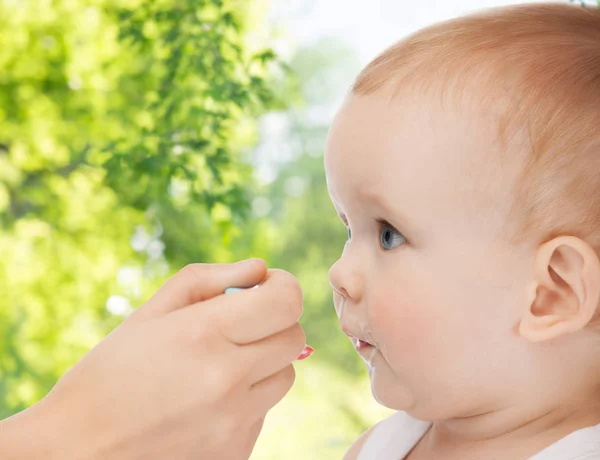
(437, 289)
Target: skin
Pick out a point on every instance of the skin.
(184, 375)
(487, 340)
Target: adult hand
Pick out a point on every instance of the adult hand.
(189, 375)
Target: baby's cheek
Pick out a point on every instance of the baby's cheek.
(403, 328)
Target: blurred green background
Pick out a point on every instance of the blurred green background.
(137, 136)
(130, 132)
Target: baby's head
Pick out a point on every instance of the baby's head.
(466, 164)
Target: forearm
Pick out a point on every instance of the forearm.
(30, 434)
(54, 430)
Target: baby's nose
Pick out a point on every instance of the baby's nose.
(345, 280)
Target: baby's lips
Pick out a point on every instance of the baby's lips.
(306, 352)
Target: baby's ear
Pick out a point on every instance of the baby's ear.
(565, 292)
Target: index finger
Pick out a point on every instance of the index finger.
(248, 316)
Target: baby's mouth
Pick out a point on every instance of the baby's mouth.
(366, 350)
(361, 345)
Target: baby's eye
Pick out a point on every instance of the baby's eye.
(389, 236)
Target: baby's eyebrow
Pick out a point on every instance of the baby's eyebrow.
(385, 210)
(391, 213)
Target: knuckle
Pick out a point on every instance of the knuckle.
(236, 375)
(205, 332)
(215, 380)
(222, 380)
(214, 327)
(222, 375)
(192, 271)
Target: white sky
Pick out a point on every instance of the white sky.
(370, 26)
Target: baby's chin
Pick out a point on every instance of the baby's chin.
(392, 391)
(388, 388)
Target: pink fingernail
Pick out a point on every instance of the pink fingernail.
(308, 350)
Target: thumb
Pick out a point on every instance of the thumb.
(198, 282)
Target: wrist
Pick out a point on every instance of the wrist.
(29, 435)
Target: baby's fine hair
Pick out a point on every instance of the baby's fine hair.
(537, 66)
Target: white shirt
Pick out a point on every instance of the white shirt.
(395, 437)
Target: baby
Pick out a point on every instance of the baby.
(465, 163)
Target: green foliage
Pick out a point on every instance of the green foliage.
(122, 125)
(125, 130)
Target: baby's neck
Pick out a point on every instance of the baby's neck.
(515, 432)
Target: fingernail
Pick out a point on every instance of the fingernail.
(308, 350)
